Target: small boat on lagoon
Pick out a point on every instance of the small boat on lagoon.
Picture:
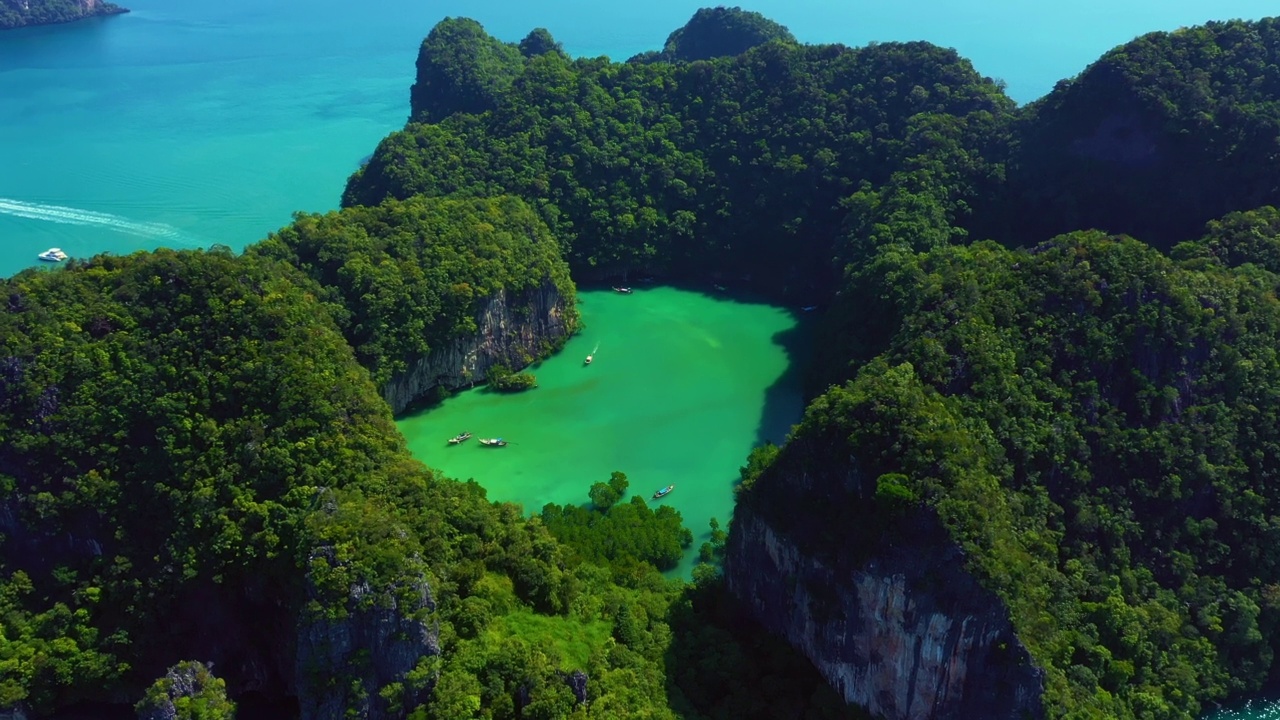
(623, 290)
(52, 255)
(664, 492)
(460, 438)
(493, 442)
(592, 356)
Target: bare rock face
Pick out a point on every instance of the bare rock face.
(188, 691)
(344, 662)
(513, 330)
(907, 634)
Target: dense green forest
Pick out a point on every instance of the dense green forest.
(1097, 426)
(404, 277)
(18, 13)
(735, 167)
(717, 32)
(1103, 431)
(193, 458)
(196, 464)
(1156, 138)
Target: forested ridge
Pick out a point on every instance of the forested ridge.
(18, 13)
(1091, 416)
(404, 277)
(734, 167)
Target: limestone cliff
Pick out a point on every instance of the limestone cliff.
(905, 631)
(512, 330)
(345, 660)
(19, 13)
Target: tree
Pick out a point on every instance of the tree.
(188, 691)
(605, 495)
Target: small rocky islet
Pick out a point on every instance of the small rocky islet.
(26, 13)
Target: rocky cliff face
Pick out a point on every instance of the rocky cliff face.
(907, 634)
(513, 330)
(343, 663)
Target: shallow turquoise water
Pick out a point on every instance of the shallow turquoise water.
(682, 386)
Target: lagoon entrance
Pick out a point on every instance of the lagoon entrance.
(680, 389)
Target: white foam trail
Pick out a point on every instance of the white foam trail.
(76, 216)
(593, 352)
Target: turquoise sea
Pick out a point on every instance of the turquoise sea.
(186, 124)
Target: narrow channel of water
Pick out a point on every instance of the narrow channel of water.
(682, 386)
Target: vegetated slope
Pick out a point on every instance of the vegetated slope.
(1096, 424)
(718, 32)
(405, 277)
(461, 68)
(18, 13)
(195, 465)
(1157, 137)
(1075, 414)
(735, 166)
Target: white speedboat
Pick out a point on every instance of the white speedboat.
(52, 255)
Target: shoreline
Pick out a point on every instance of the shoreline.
(98, 10)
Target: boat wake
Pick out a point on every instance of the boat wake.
(75, 216)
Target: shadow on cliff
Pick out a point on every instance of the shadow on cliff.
(784, 399)
(721, 663)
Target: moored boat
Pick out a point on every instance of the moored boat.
(53, 255)
(493, 442)
(623, 290)
(460, 438)
(664, 492)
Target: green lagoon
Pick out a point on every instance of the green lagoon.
(683, 385)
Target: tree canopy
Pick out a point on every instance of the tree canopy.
(405, 277)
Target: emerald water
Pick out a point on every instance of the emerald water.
(682, 386)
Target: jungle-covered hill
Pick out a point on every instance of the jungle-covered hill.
(1102, 408)
(1156, 138)
(1096, 425)
(738, 166)
(403, 278)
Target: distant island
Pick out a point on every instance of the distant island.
(21, 13)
